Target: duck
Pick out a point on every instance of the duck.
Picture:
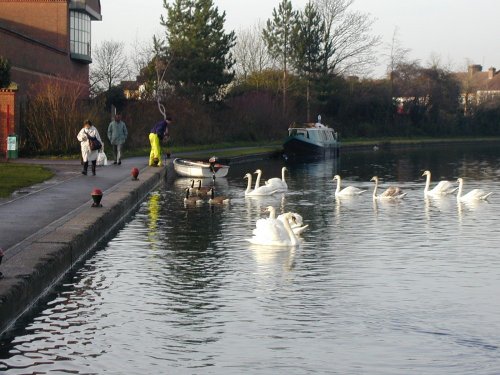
(258, 190)
(192, 201)
(348, 191)
(392, 192)
(440, 190)
(471, 196)
(273, 232)
(217, 200)
(280, 183)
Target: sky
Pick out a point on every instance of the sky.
(458, 32)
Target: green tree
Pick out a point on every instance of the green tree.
(277, 35)
(4, 72)
(309, 52)
(198, 49)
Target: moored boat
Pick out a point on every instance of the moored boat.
(200, 169)
(311, 139)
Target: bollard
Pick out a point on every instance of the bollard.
(134, 173)
(96, 196)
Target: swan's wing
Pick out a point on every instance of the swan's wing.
(269, 230)
(392, 191)
(351, 190)
(299, 230)
(264, 190)
(444, 187)
(277, 183)
(476, 194)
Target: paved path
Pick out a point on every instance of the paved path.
(28, 213)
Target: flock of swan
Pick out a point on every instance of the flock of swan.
(285, 230)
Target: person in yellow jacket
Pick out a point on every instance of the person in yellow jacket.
(159, 131)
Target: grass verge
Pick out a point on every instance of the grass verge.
(16, 176)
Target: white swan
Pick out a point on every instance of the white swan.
(473, 195)
(279, 183)
(296, 222)
(258, 190)
(441, 189)
(273, 232)
(348, 191)
(392, 192)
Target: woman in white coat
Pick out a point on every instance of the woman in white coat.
(87, 153)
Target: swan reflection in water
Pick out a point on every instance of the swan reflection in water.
(267, 258)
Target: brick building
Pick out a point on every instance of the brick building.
(47, 40)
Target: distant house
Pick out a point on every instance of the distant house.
(131, 89)
(478, 86)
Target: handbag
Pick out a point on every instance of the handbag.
(94, 143)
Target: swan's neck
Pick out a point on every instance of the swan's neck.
(460, 186)
(249, 184)
(375, 189)
(427, 183)
(338, 186)
(291, 235)
(272, 213)
(283, 174)
(257, 181)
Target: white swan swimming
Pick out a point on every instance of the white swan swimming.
(441, 189)
(471, 196)
(258, 190)
(296, 222)
(348, 191)
(273, 232)
(279, 183)
(392, 192)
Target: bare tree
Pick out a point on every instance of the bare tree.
(396, 54)
(110, 66)
(348, 33)
(250, 52)
(142, 54)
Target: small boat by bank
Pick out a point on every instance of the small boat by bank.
(311, 140)
(200, 169)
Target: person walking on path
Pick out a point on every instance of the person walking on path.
(117, 135)
(159, 131)
(88, 154)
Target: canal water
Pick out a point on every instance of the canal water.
(406, 287)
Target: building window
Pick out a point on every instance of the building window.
(80, 32)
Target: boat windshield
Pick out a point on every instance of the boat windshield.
(299, 132)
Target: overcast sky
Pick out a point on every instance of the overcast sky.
(458, 31)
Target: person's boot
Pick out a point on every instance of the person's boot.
(85, 167)
(94, 162)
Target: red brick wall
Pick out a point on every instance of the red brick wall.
(7, 115)
(43, 20)
(43, 53)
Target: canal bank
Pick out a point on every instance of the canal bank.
(48, 228)
(33, 265)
